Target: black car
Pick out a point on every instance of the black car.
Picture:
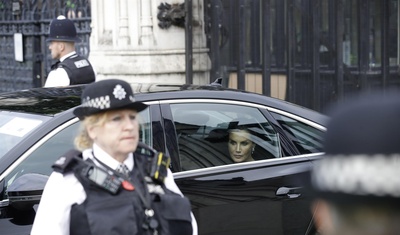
(189, 123)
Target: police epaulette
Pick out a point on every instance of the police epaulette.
(66, 161)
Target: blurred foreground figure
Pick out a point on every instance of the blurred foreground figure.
(357, 183)
(114, 184)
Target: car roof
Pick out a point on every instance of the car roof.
(54, 100)
(44, 101)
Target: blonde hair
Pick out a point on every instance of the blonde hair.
(82, 140)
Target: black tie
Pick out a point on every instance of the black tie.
(123, 169)
(55, 65)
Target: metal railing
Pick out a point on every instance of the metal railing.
(304, 40)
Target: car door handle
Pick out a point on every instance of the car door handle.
(293, 192)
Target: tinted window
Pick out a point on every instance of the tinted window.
(41, 159)
(306, 138)
(204, 132)
(145, 131)
(14, 127)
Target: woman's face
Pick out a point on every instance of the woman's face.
(118, 135)
(240, 146)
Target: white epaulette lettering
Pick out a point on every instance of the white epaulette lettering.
(81, 63)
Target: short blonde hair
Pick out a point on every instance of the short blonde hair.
(82, 140)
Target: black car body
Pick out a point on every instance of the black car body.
(185, 121)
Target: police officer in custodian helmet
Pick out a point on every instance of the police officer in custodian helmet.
(357, 183)
(70, 68)
(116, 185)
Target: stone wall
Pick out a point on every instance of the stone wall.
(126, 42)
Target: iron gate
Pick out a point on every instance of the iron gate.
(31, 19)
(326, 50)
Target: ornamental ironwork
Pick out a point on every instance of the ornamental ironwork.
(32, 18)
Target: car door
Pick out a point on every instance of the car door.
(265, 196)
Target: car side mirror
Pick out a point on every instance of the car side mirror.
(26, 190)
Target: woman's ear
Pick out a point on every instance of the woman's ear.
(92, 131)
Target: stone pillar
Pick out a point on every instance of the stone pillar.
(123, 37)
(127, 43)
(146, 24)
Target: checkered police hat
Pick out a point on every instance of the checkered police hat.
(362, 147)
(62, 29)
(104, 95)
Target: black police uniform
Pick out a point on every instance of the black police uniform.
(78, 68)
(125, 213)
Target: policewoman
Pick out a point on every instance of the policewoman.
(116, 185)
(70, 68)
(357, 183)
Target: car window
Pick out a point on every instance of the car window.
(145, 130)
(203, 133)
(14, 127)
(41, 159)
(307, 138)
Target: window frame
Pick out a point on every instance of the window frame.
(264, 110)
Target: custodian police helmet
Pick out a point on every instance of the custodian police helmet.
(62, 29)
(362, 151)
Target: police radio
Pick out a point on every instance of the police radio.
(104, 180)
(158, 162)
(159, 167)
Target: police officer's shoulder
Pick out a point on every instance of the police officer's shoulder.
(66, 161)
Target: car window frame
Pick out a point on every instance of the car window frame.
(264, 109)
(288, 141)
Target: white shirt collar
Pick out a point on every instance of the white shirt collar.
(67, 55)
(105, 158)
